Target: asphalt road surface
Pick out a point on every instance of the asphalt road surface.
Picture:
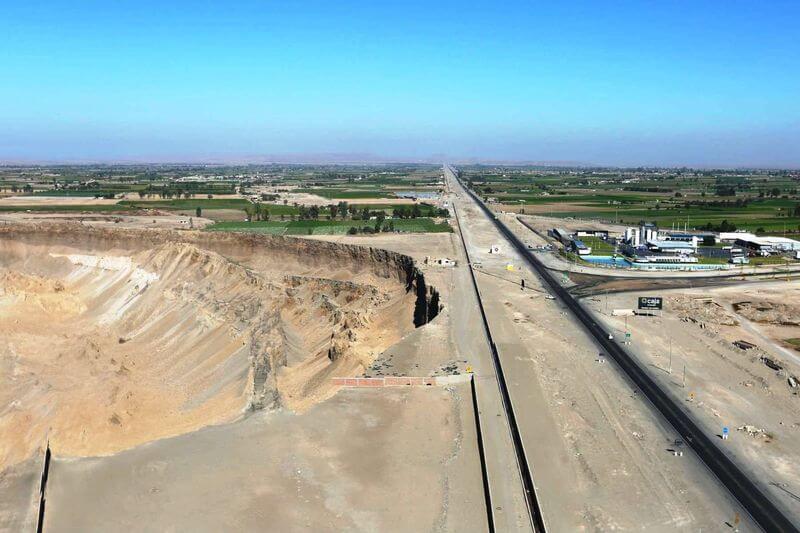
(762, 509)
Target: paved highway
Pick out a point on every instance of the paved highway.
(747, 491)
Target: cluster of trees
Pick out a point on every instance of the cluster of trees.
(256, 212)
(725, 190)
(775, 192)
(185, 190)
(341, 210)
(379, 227)
(309, 213)
(168, 194)
(739, 202)
(723, 226)
(405, 212)
(345, 211)
(27, 188)
(645, 188)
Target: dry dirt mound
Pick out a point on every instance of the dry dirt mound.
(767, 312)
(699, 309)
(109, 339)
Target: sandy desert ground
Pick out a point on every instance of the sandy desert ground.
(55, 200)
(747, 390)
(164, 335)
(171, 339)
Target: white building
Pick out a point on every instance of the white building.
(730, 236)
(672, 247)
(767, 243)
(643, 234)
(632, 236)
(783, 243)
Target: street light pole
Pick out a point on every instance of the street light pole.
(670, 355)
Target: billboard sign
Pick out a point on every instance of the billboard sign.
(650, 302)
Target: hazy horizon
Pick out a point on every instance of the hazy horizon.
(343, 159)
(702, 85)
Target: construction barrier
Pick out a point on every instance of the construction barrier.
(401, 381)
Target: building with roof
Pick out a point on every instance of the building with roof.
(672, 247)
(562, 235)
(666, 259)
(767, 244)
(694, 238)
(581, 248)
(600, 233)
(640, 236)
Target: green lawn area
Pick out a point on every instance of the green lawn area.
(771, 260)
(598, 246)
(327, 227)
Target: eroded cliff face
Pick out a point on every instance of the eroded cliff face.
(111, 338)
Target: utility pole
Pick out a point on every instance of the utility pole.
(684, 376)
(670, 355)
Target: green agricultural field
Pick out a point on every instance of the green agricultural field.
(426, 210)
(580, 199)
(755, 200)
(190, 204)
(345, 194)
(327, 227)
(752, 220)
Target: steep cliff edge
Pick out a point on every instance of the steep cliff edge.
(112, 338)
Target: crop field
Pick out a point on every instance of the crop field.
(328, 227)
(766, 202)
(190, 203)
(347, 194)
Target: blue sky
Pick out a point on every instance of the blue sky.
(698, 82)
